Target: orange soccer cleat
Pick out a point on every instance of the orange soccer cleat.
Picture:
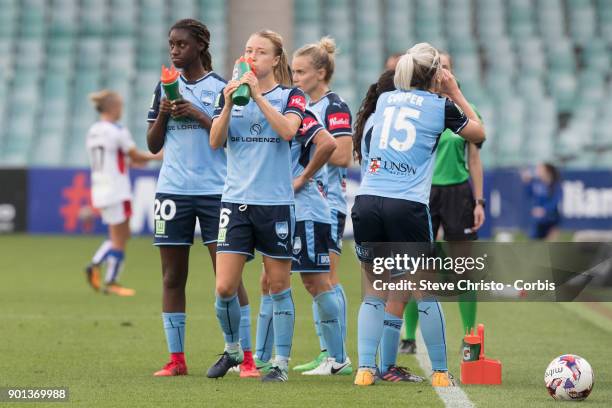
(172, 369)
(117, 289)
(442, 379)
(365, 376)
(93, 276)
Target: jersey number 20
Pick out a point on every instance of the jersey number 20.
(400, 122)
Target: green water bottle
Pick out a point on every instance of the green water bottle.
(242, 94)
(170, 83)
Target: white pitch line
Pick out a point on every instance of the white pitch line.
(453, 397)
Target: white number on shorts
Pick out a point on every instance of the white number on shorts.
(401, 123)
(166, 210)
(224, 217)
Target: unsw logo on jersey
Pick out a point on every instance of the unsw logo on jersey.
(374, 165)
(297, 101)
(339, 120)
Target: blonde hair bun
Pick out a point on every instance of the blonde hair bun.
(328, 44)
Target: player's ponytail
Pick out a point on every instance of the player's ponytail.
(368, 106)
(417, 68)
(282, 70)
(103, 100)
(322, 55)
(200, 32)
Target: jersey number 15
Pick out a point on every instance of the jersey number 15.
(400, 123)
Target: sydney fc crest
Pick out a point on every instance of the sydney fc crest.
(207, 98)
(297, 245)
(282, 229)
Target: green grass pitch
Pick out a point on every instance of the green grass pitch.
(55, 331)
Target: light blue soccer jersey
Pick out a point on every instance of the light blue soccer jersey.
(191, 166)
(311, 200)
(259, 170)
(336, 117)
(365, 144)
(407, 126)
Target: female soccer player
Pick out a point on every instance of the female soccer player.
(457, 206)
(108, 143)
(362, 140)
(545, 193)
(191, 178)
(391, 205)
(313, 68)
(365, 119)
(258, 202)
(310, 152)
(312, 236)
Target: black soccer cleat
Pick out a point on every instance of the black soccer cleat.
(399, 374)
(276, 374)
(225, 362)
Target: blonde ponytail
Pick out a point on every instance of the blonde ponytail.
(417, 68)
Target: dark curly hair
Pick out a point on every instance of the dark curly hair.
(200, 32)
(368, 106)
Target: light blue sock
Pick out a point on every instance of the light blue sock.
(265, 329)
(284, 322)
(315, 317)
(245, 327)
(174, 326)
(369, 329)
(433, 329)
(228, 314)
(342, 303)
(327, 303)
(390, 341)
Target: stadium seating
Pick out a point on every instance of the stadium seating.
(539, 71)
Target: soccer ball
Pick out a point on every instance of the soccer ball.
(569, 377)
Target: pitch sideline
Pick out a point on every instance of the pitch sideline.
(452, 397)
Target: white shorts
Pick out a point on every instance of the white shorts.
(116, 213)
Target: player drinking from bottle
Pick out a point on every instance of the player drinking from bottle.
(392, 204)
(312, 236)
(258, 200)
(108, 144)
(191, 178)
(313, 68)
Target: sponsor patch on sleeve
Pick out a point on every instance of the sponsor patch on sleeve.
(339, 120)
(297, 101)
